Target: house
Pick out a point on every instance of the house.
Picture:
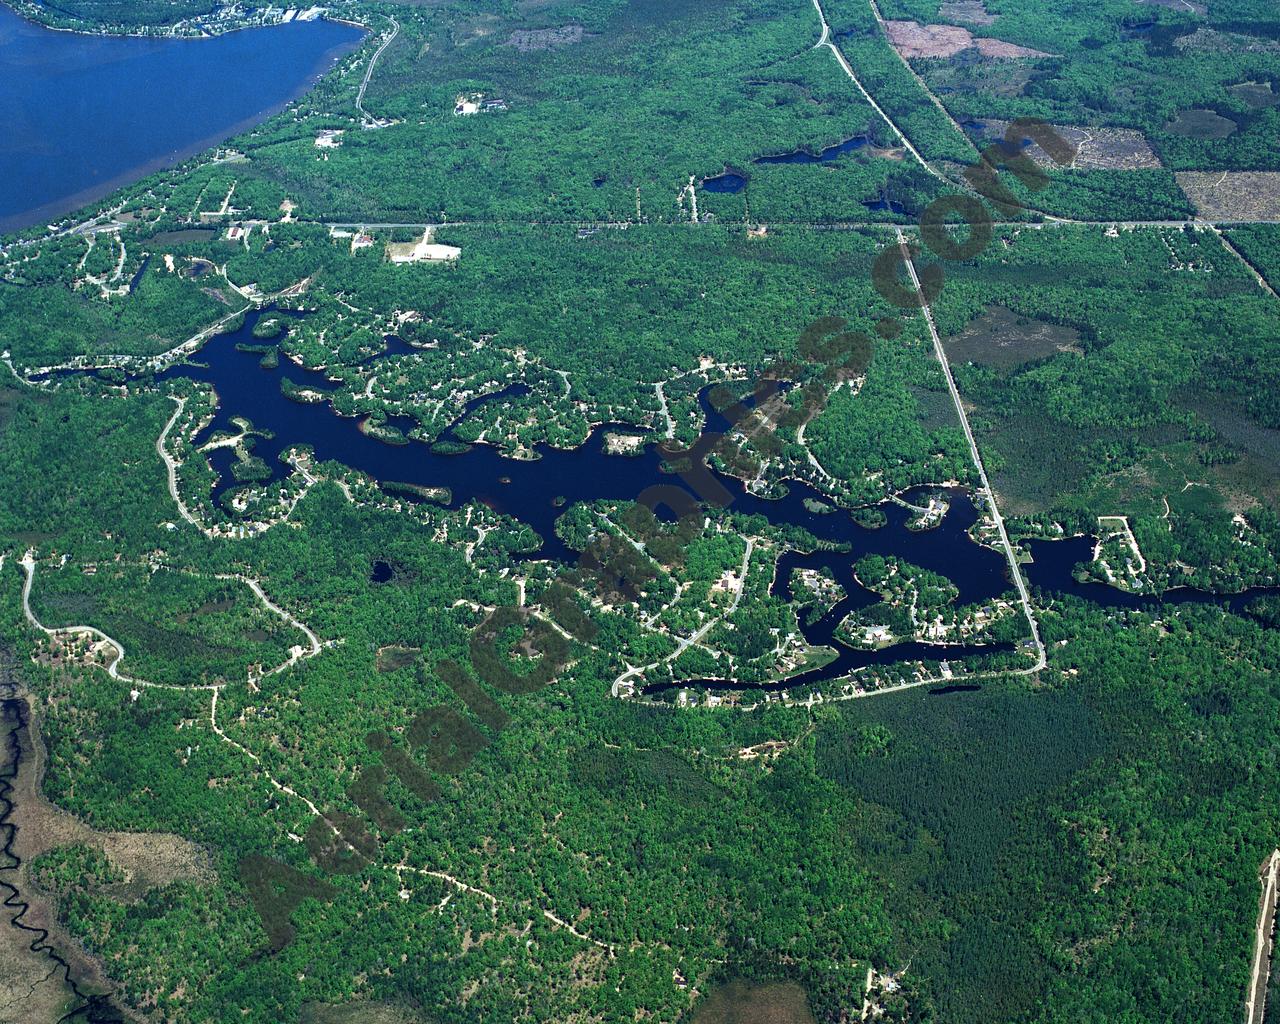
(475, 103)
(877, 634)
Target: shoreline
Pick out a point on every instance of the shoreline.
(30, 11)
(59, 208)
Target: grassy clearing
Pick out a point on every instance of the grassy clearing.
(361, 1012)
(742, 1002)
(393, 658)
(1004, 340)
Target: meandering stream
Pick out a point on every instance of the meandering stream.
(15, 722)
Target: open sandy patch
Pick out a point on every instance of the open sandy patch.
(147, 859)
(29, 985)
(424, 251)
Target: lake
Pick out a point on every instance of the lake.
(538, 492)
(87, 114)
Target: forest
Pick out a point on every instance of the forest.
(996, 880)
(1138, 408)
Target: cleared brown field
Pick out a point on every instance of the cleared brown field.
(1097, 149)
(1233, 195)
(914, 40)
(534, 39)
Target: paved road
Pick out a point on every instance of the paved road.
(839, 225)
(373, 61)
(1014, 569)
(92, 227)
(171, 464)
(1263, 283)
(826, 41)
(875, 9)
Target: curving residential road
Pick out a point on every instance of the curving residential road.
(373, 61)
(685, 643)
(171, 464)
(296, 654)
(28, 564)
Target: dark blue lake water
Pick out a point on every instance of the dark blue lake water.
(84, 115)
(803, 156)
(731, 181)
